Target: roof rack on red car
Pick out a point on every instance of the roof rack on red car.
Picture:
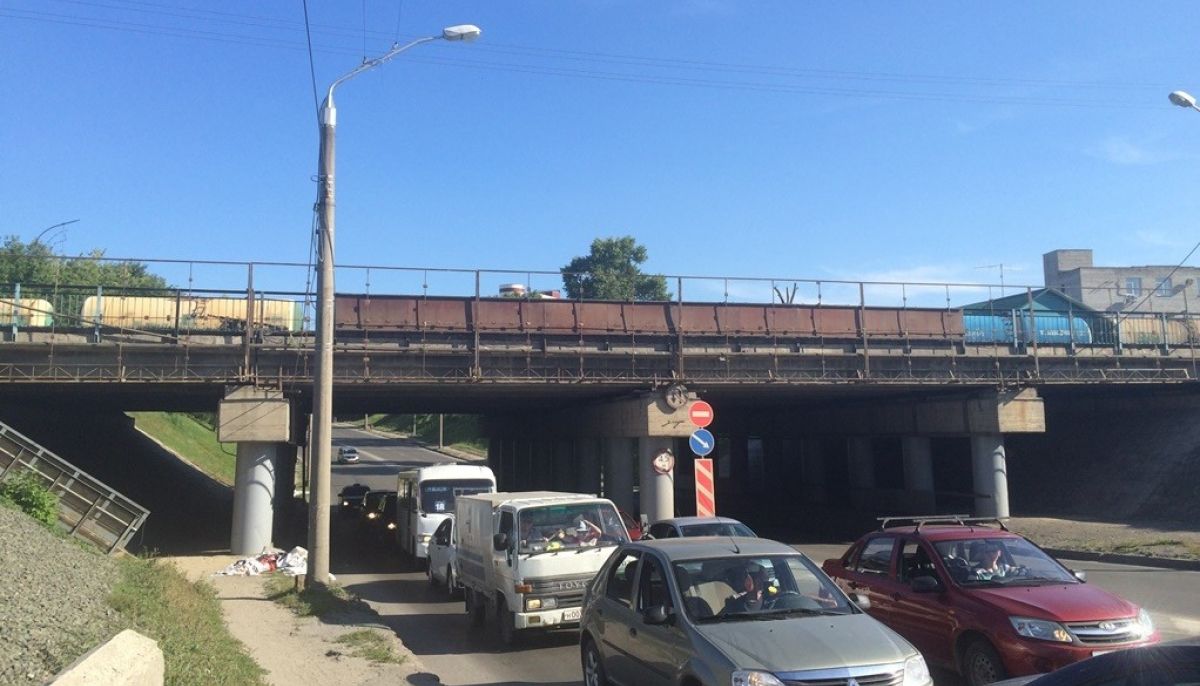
(959, 519)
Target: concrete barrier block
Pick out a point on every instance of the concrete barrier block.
(127, 659)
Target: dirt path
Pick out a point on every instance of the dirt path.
(293, 650)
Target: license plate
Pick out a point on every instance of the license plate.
(571, 614)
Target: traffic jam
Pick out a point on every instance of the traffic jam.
(703, 601)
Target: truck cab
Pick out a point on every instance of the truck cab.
(526, 558)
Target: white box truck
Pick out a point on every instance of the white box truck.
(525, 558)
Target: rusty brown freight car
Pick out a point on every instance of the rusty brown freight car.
(413, 314)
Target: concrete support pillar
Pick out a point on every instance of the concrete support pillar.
(862, 470)
(991, 475)
(918, 474)
(618, 472)
(253, 493)
(657, 493)
(587, 462)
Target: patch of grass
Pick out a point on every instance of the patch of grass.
(314, 601)
(1134, 546)
(370, 644)
(25, 491)
(185, 618)
(194, 438)
(460, 431)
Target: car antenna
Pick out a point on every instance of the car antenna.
(733, 542)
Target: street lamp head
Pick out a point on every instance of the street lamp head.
(1183, 99)
(462, 32)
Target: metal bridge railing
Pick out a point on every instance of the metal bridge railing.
(88, 508)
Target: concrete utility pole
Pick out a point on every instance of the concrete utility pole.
(441, 430)
(322, 428)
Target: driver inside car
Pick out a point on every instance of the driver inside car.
(755, 590)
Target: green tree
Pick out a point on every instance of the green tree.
(612, 271)
(36, 263)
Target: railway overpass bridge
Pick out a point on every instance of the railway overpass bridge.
(851, 404)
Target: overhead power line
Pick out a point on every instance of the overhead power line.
(665, 71)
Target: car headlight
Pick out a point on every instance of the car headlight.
(1040, 629)
(391, 525)
(424, 538)
(746, 677)
(534, 604)
(372, 515)
(1145, 625)
(345, 503)
(916, 672)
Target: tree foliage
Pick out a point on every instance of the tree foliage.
(36, 263)
(612, 271)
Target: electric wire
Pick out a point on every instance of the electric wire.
(627, 60)
(312, 69)
(399, 16)
(1152, 291)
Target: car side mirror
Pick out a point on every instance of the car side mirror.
(1080, 574)
(862, 601)
(500, 542)
(657, 615)
(926, 584)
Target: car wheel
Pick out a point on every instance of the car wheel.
(982, 664)
(451, 591)
(593, 666)
(505, 623)
(476, 612)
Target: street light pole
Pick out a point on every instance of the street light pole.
(322, 426)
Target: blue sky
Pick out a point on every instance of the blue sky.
(856, 140)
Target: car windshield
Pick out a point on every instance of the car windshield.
(1006, 561)
(738, 588)
(438, 496)
(562, 527)
(716, 529)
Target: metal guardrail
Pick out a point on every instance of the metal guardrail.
(88, 508)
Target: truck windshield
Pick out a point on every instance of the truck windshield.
(569, 526)
(438, 496)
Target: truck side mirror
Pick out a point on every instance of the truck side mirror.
(500, 541)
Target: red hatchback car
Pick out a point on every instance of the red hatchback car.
(984, 601)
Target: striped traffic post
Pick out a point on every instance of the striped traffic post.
(706, 502)
(702, 443)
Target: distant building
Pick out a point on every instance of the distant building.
(1122, 289)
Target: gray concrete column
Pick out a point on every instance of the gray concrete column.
(587, 461)
(657, 493)
(618, 472)
(253, 493)
(991, 475)
(918, 474)
(862, 470)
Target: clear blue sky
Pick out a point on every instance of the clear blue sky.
(907, 140)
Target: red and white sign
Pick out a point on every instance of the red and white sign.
(701, 413)
(706, 499)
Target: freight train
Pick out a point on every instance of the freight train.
(377, 316)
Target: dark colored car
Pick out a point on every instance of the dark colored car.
(681, 527)
(1169, 664)
(350, 499)
(380, 514)
(984, 601)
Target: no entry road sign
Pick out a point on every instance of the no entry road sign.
(702, 442)
(701, 413)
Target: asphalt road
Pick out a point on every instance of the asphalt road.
(435, 628)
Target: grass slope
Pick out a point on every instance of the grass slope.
(192, 437)
(461, 431)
